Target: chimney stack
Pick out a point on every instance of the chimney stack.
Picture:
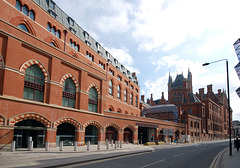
(142, 98)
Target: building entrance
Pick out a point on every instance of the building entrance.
(111, 134)
(128, 135)
(65, 133)
(91, 134)
(29, 128)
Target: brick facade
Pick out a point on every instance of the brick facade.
(58, 60)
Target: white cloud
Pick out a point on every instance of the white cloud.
(167, 24)
(123, 56)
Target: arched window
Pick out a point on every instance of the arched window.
(69, 93)
(34, 84)
(131, 99)
(18, 5)
(125, 95)
(77, 48)
(110, 87)
(23, 27)
(25, 10)
(52, 44)
(136, 101)
(119, 92)
(32, 14)
(54, 30)
(70, 42)
(93, 100)
(58, 34)
(49, 27)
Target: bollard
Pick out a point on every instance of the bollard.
(98, 145)
(61, 146)
(112, 143)
(30, 146)
(29, 140)
(88, 145)
(120, 144)
(75, 145)
(107, 144)
(13, 146)
(115, 144)
(47, 146)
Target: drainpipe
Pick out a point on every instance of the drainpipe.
(65, 38)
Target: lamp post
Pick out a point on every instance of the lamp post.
(229, 109)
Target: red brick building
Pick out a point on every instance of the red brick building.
(58, 84)
(205, 114)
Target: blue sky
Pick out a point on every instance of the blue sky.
(155, 37)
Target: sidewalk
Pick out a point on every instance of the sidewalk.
(41, 158)
(231, 161)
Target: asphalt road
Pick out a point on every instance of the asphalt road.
(195, 155)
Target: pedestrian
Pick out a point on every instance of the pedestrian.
(237, 143)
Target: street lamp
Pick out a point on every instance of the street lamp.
(229, 109)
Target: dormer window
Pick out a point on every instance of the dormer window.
(51, 4)
(72, 30)
(108, 54)
(71, 21)
(88, 43)
(100, 53)
(123, 68)
(116, 61)
(53, 14)
(98, 46)
(86, 35)
(128, 72)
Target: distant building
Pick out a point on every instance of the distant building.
(167, 112)
(205, 114)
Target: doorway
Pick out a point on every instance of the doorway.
(29, 128)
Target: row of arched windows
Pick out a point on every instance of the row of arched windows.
(119, 93)
(53, 30)
(24, 9)
(34, 89)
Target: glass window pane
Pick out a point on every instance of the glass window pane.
(52, 44)
(65, 101)
(53, 30)
(49, 27)
(94, 108)
(89, 107)
(28, 93)
(18, 5)
(38, 95)
(23, 27)
(72, 103)
(25, 10)
(32, 15)
(58, 34)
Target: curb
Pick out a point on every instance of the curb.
(217, 162)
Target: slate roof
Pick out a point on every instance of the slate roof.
(161, 109)
(193, 98)
(63, 18)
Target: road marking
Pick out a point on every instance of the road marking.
(153, 163)
(179, 155)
